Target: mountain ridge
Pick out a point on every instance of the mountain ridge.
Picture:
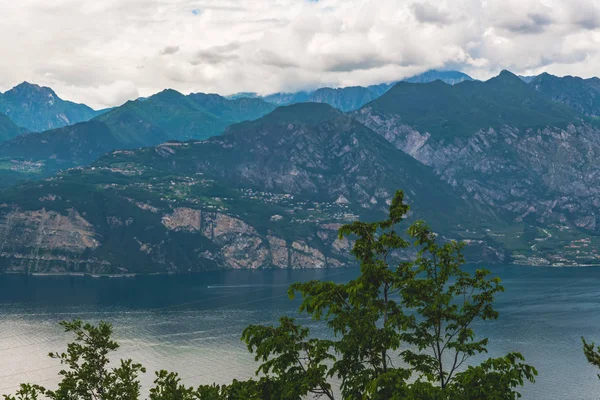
(580, 94)
(465, 107)
(168, 115)
(351, 98)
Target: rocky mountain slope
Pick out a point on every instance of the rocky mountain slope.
(502, 144)
(38, 108)
(267, 193)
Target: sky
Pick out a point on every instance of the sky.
(105, 52)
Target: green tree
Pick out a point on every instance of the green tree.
(592, 353)
(27, 392)
(89, 375)
(447, 301)
(293, 363)
(380, 346)
(167, 386)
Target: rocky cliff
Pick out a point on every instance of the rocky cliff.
(544, 174)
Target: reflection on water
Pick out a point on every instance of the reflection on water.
(192, 323)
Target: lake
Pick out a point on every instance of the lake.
(192, 323)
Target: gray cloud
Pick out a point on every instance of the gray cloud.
(585, 14)
(209, 57)
(169, 50)
(428, 13)
(528, 24)
(216, 54)
(270, 58)
(351, 63)
(105, 52)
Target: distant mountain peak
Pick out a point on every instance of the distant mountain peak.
(38, 108)
(438, 82)
(31, 88)
(304, 113)
(167, 93)
(169, 96)
(506, 77)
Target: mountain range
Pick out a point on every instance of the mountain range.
(353, 97)
(35, 108)
(271, 192)
(507, 166)
(164, 116)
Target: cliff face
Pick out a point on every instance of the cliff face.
(47, 241)
(545, 178)
(549, 174)
(239, 245)
(52, 242)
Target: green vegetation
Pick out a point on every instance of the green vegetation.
(401, 330)
(580, 94)
(592, 353)
(466, 107)
(301, 113)
(168, 115)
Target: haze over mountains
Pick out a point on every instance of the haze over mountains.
(354, 97)
(518, 159)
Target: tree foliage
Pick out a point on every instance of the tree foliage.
(89, 376)
(400, 330)
(592, 353)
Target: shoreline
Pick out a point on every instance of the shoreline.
(85, 274)
(136, 274)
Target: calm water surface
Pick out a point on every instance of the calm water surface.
(192, 324)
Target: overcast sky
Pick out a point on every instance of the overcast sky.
(104, 52)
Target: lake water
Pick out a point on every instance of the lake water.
(192, 323)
